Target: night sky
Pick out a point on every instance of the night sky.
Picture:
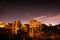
(11, 10)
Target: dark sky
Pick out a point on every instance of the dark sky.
(11, 10)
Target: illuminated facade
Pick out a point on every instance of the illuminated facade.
(16, 26)
(34, 27)
(2, 25)
(25, 27)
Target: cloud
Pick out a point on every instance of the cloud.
(41, 17)
(46, 19)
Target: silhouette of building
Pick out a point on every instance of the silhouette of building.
(49, 24)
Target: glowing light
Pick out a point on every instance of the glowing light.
(23, 25)
(7, 24)
(1, 26)
(0, 22)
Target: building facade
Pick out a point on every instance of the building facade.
(35, 27)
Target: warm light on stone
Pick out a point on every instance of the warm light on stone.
(1, 26)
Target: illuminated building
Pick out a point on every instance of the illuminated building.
(25, 27)
(34, 25)
(2, 25)
(3, 28)
(6, 26)
(16, 26)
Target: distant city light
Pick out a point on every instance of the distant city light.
(0, 22)
(7, 24)
(1, 26)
